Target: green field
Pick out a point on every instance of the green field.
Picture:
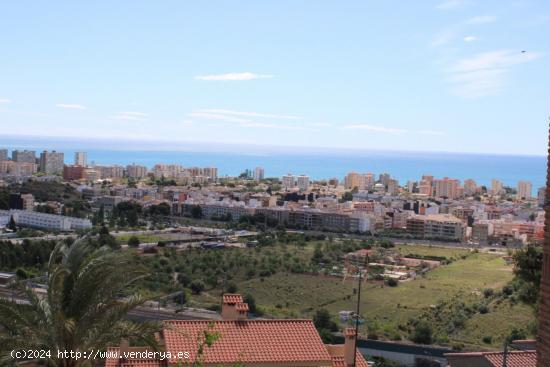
(390, 312)
(388, 309)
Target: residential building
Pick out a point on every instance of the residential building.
(436, 226)
(541, 197)
(525, 190)
(514, 358)
(470, 187)
(496, 187)
(393, 185)
(26, 218)
(110, 172)
(73, 173)
(51, 163)
(3, 154)
(352, 180)
(258, 174)
(302, 182)
(27, 156)
(136, 171)
(384, 179)
(288, 181)
(211, 173)
(81, 159)
(244, 341)
(425, 188)
(446, 188)
(17, 169)
(21, 201)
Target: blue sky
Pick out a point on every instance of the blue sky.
(446, 75)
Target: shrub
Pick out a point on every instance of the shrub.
(422, 333)
(197, 286)
(133, 241)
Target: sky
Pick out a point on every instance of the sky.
(412, 75)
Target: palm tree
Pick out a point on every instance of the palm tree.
(85, 307)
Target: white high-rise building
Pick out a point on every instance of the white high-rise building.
(289, 181)
(81, 159)
(303, 182)
(258, 174)
(525, 190)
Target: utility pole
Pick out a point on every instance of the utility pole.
(358, 309)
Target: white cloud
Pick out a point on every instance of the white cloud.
(234, 76)
(470, 38)
(71, 106)
(248, 114)
(374, 128)
(485, 73)
(450, 5)
(129, 116)
(482, 19)
(5, 101)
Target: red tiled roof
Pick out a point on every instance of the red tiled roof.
(338, 361)
(514, 359)
(232, 298)
(337, 354)
(248, 341)
(119, 362)
(241, 306)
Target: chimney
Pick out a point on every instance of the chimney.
(233, 307)
(124, 348)
(349, 346)
(543, 345)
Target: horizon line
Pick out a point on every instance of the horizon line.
(220, 144)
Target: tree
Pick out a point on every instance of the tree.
(133, 241)
(196, 212)
(11, 225)
(422, 333)
(197, 286)
(249, 299)
(528, 271)
(231, 287)
(325, 326)
(85, 308)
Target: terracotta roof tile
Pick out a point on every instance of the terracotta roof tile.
(515, 359)
(248, 341)
(232, 298)
(242, 306)
(138, 362)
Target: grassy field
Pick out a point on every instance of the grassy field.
(389, 309)
(390, 312)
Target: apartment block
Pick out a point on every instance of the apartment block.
(258, 174)
(51, 163)
(32, 219)
(27, 156)
(136, 171)
(81, 159)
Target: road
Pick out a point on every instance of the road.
(140, 313)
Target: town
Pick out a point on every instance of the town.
(432, 208)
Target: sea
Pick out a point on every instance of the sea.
(318, 163)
